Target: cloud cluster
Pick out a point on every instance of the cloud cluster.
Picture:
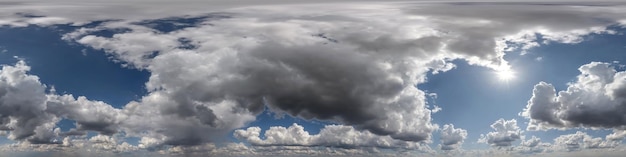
(596, 99)
(291, 67)
(339, 136)
(309, 65)
(581, 140)
(29, 113)
(506, 132)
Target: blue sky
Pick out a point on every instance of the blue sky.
(251, 78)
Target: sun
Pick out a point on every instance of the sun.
(505, 75)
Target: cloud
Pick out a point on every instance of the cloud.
(580, 140)
(533, 146)
(595, 100)
(506, 132)
(617, 135)
(452, 138)
(23, 105)
(287, 69)
(159, 120)
(88, 115)
(337, 136)
(30, 114)
(99, 145)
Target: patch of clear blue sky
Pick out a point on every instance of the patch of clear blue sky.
(63, 65)
(471, 97)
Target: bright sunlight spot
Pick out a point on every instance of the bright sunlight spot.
(505, 75)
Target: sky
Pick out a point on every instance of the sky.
(300, 78)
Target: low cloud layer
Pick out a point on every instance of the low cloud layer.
(330, 136)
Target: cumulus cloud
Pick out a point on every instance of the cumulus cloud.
(617, 135)
(23, 105)
(28, 113)
(506, 132)
(165, 122)
(580, 140)
(88, 115)
(452, 138)
(339, 136)
(595, 99)
(533, 146)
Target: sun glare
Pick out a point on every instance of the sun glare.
(505, 75)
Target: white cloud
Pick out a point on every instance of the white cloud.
(339, 136)
(88, 115)
(23, 105)
(452, 138)
(331, 136)
(533, 146)
(580, 140)
(506, 132)
(30, 114)
(435, 109)
(617, 135)
(594, 100)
